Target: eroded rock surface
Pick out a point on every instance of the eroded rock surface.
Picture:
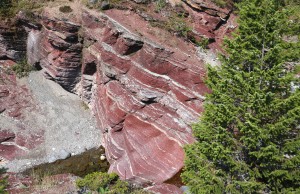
(60, 51)
(145, 97)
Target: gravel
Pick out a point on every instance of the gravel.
(69, 129)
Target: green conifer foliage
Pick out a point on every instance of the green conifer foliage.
(248, 137)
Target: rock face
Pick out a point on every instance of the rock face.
(210, 20)
(144, 85)
(12, 42)
(145, 92)
(145, 99)
(40, 121)
(60, 51)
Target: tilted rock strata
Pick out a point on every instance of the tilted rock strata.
(145, 100)
(210, 21)
(60, 51)
(144, 96)
(144, 93)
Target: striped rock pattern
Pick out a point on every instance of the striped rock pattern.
(144, 96)
(145, 91)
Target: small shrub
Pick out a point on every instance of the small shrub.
(119, 187)
(97, 180)
(84, 106)
(159, 5)
(102, 190)
(5, 6)
(9, 8)
(203, 43)
(178, 25)
(22, 68)
(297, 69)
(105, 183)
(65, 9)
(3, 181)
(220, 3)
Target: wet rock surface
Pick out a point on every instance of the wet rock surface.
(79, 165)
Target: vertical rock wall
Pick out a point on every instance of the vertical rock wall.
(12, 42)
(60, 51)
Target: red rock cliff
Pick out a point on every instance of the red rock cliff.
(145, 86)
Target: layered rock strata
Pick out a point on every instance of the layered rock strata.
(145, 99)
(59, 51)
(143, 94)
(12, 42)
(144, 85)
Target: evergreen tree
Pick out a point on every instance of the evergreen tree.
(248, 136)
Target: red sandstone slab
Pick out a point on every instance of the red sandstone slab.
(124, 99)
(149, 79)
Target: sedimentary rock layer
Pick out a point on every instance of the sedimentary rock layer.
(144, 85)
(145, 99)
(59, 51)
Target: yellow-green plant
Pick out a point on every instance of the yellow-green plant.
(220, 3)
(178, 25)
(3, 181)
(97, 180)
(22, 68)
(160, 4)
(9, 8)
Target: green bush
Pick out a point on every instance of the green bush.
(220, 3)
(97, 180)
(203, 43)
(119, 187)
(22, 68)
(5, 6)
(105, 183)
(3, 181)
(9, 8)
(159, 5)
(178, 25)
